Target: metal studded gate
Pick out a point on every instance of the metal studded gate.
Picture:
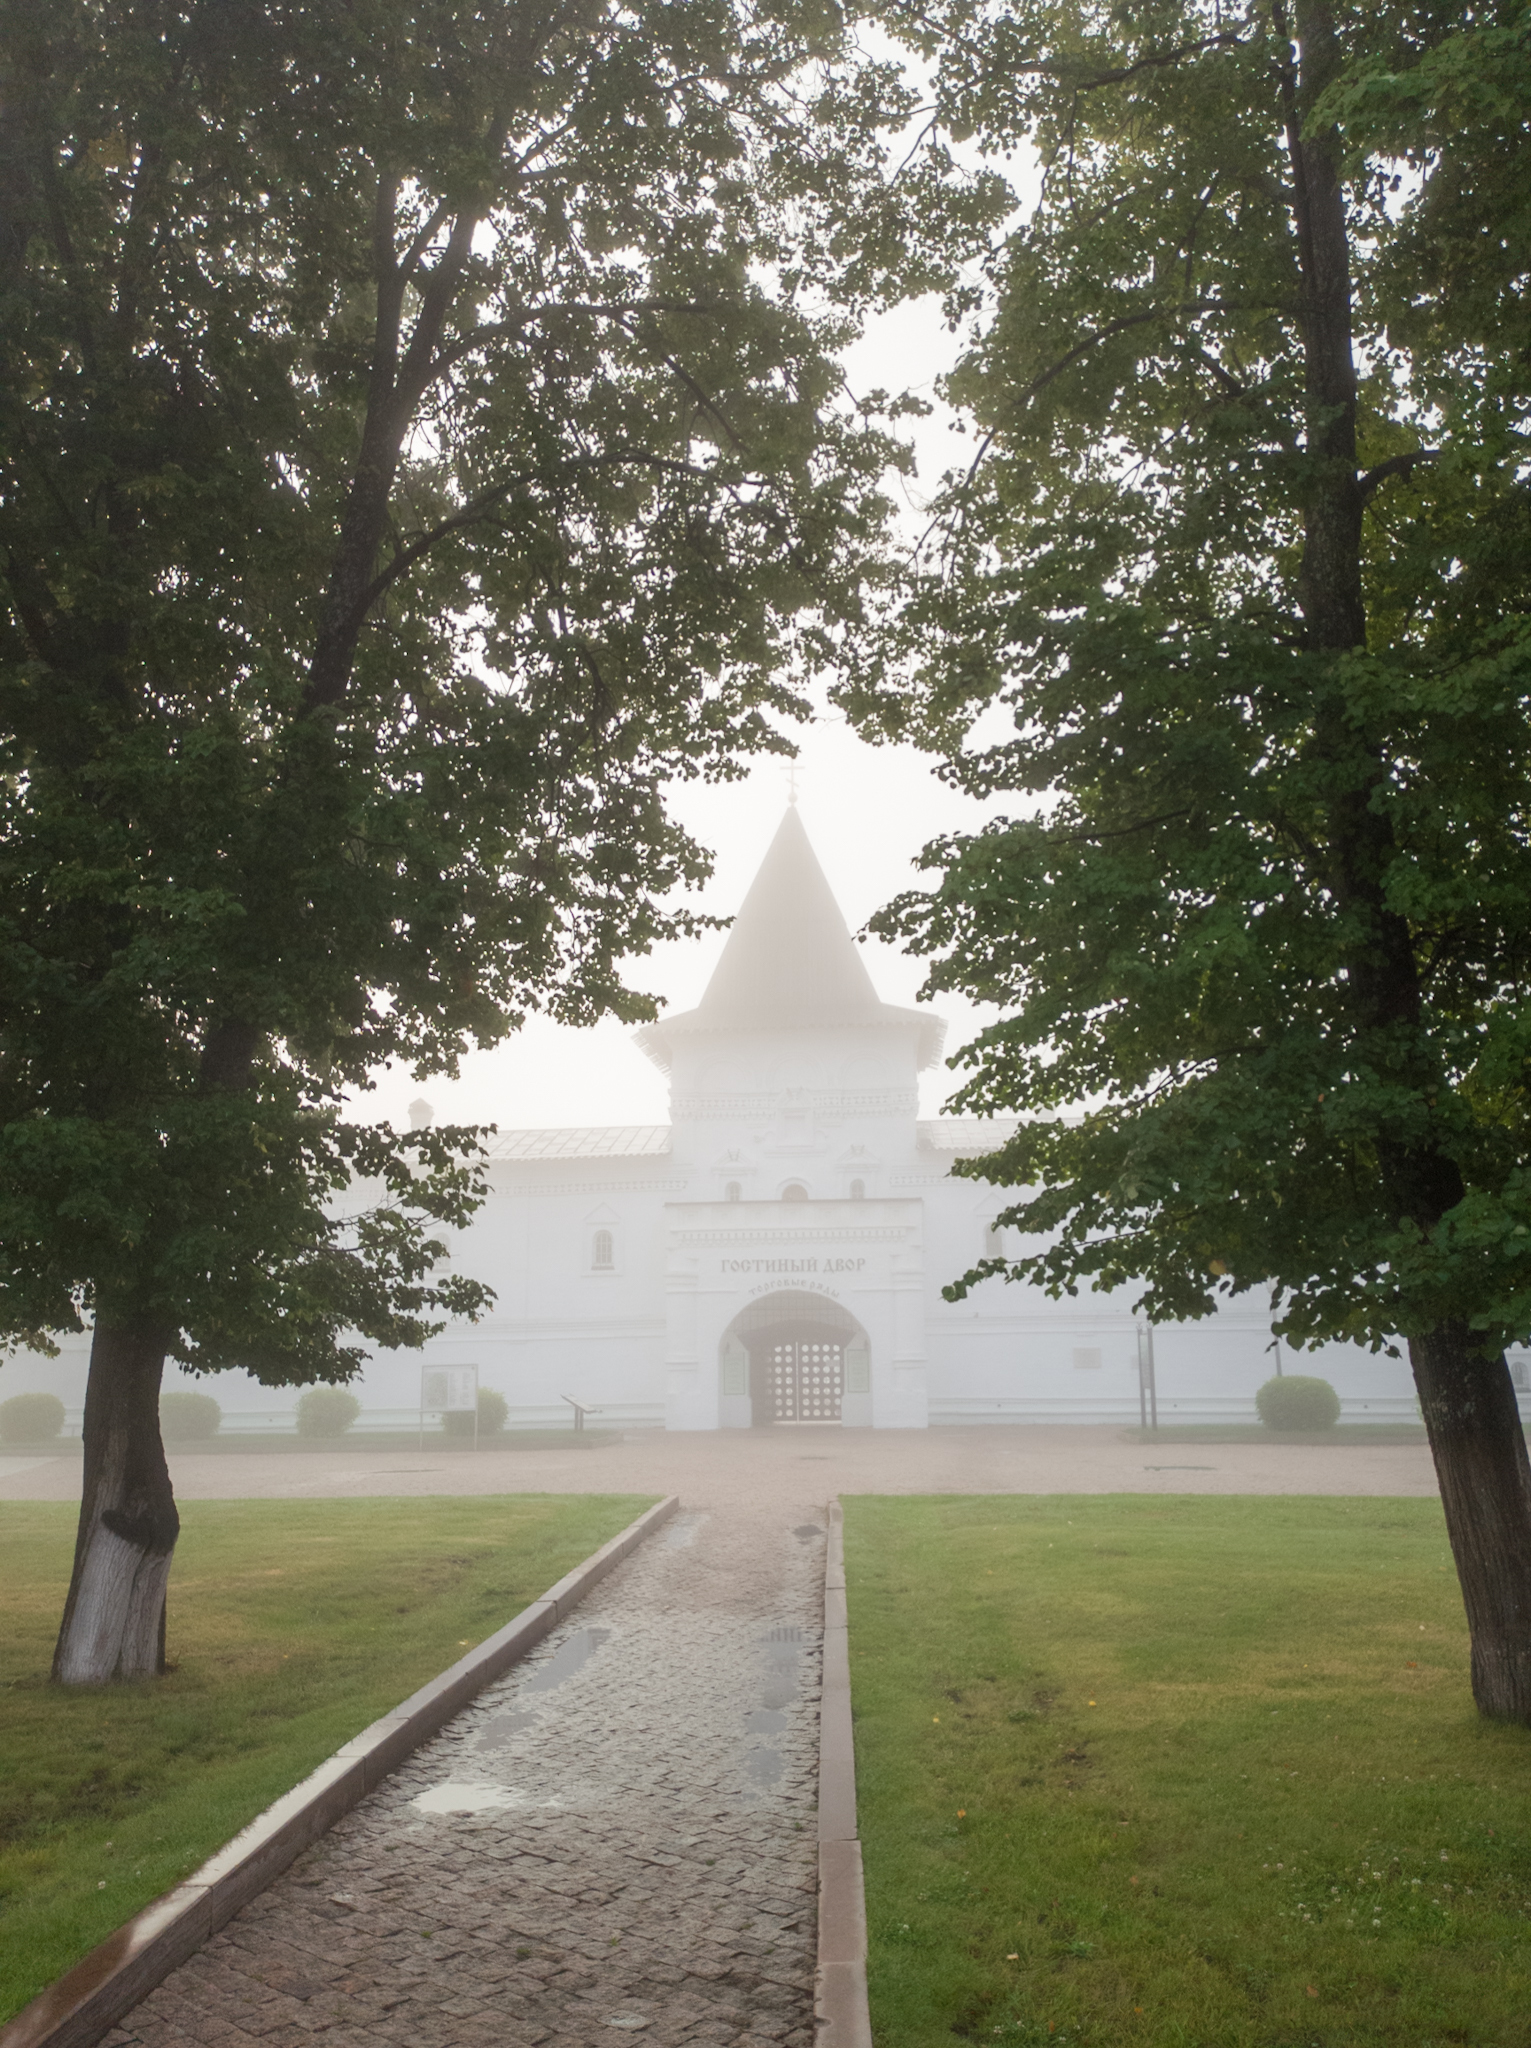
(805, 1380)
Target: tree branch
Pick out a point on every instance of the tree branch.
(1113, 327)
(485, 502)
(1229, 38)
(1121, 831)
(1042, 69)
(395, 388)
(506, 329)
(1224, 376)
(442, 280)
(409, 262)
(1396, 465)
(390, 297)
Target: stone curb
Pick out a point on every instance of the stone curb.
(87, 2002)
(840, 1982)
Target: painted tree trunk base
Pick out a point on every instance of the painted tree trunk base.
(115, 1628)
(1479, 1447)
(114, 1618)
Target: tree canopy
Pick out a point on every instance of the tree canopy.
(420, 441)
(1132, 570)
(1234, 599)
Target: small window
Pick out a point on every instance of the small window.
(994, 1242)
(601, 1260)
(794, 1192)
(858, 1190)
(732, 1192)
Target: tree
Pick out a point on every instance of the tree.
(419, 442)
(1242, 560)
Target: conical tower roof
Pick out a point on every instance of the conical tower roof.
(790, 963)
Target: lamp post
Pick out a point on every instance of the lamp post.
(1148, 1390)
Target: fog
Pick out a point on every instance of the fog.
(868, 809)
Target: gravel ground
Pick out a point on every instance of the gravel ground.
(750, 1469)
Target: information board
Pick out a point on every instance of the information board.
(449, 1389)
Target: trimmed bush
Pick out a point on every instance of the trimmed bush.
(1297, 1401)
(327, 1411)
(185, 1417)
(492, 1411)
(30, 1418)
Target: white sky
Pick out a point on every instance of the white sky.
(868, 811)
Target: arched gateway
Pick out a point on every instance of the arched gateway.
(796, 1355)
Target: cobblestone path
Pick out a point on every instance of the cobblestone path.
(618, 1837)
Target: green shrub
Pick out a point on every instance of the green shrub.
(492, 1411)
(327, 1411)
(29, 1418)
(184, 1417)
(1297, 1401)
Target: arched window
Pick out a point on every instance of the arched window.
(794, 1192)
(732, 1192)
(601, 1260)
(858, 1190)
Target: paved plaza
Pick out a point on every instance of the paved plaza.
(619, 1837)
(751, 1469)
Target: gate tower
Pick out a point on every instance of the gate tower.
(794, 1287)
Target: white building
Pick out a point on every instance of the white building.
(776, 1253)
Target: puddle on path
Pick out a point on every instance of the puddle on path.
(500, 1728)
(457, 1797)
(679, 1534)
(571, 1654)
(783, 1654)
(763, 1767)
(781, 1657)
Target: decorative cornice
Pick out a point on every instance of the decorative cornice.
(847, 1234)
(596, 1187)
(539, 1329)
(821, 1102)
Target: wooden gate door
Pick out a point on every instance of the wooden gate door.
(806, 1381)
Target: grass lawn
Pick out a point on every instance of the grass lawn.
(1200, 1771)
(292, 1625)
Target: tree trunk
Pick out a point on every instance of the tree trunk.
(114, 1618)
(1480, 1457)
(1465, 1394)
